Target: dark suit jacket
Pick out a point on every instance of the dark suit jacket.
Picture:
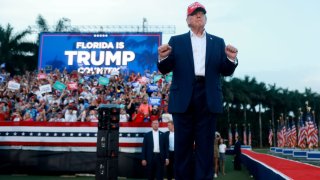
(237, 148)
(147, 148)
(181, 63)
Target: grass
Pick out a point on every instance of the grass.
(230, 174)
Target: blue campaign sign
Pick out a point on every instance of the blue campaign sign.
(92, 53)
(152, 88)
(155, 101)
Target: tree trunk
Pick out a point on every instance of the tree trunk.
(260, 126)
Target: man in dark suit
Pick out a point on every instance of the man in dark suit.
(170, 144)
(197, 60)
(154, 152)
(237, 154)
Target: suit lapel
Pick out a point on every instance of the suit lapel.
(209, 47)
(152, 141)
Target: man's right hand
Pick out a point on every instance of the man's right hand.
(144, 162)
(164, 51)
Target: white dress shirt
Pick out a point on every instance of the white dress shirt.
(171, 141)
(156, 146)
(199, 45)
(222, 148)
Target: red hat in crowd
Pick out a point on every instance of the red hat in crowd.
(195, 6)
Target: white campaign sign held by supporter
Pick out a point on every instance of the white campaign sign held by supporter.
(13, 85)
(45, 88)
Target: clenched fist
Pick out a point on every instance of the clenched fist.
(231, 52)
(164, 51)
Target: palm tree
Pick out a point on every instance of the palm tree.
(63, 25)
(15, 51)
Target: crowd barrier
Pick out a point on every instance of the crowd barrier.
(297, 153)
(63, 147)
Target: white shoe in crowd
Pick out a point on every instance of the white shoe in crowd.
(215, 175)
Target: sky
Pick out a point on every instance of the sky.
(278, 41)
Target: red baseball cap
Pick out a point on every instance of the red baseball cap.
(195, 6)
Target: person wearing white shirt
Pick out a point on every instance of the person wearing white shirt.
(154, 152)
(124, 116)
(222, 153)
(197, 60)
(166, 116)
(170, 143)
(70, 115)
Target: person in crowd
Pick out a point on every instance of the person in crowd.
(197, 60)
(222, 156)
(154, 152)
(16, 116)
(170, 144)
(216, 154)
(166, 116)
(93, 116)
(29, 108)
(60, 117)
(3, 111)
(131, 106)
(41, 114)
(145, 108)
(70, 114)
(56, 99)
(138, 116)
(83, 115)
(53, 110)
(237, 154)
(124, 116)
(27, 117)
(154, 113)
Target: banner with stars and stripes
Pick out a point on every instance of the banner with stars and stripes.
(62, 136)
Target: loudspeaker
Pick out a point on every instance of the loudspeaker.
(108, 143)
(113, 143)
(107, 168)
(103, 118)
(102, 143)
(108, 118)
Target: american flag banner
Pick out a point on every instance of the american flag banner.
(249, 137)
(230, 136)
(315, 138)
(236, 134)
(66, 136)
(293, 135)
(310, 129)
(282, 136)
(244, 135)
(270, 136)
(302, 134)
(288, 135)
(279, 140)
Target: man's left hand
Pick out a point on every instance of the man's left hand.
(167, 162)
(231, 52)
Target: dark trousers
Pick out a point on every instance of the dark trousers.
(194, 137)
(170, 167)
(155, 168)
(237, 162)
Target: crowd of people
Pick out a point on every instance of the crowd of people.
(26, 101)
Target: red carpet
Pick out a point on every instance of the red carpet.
(291, 169)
